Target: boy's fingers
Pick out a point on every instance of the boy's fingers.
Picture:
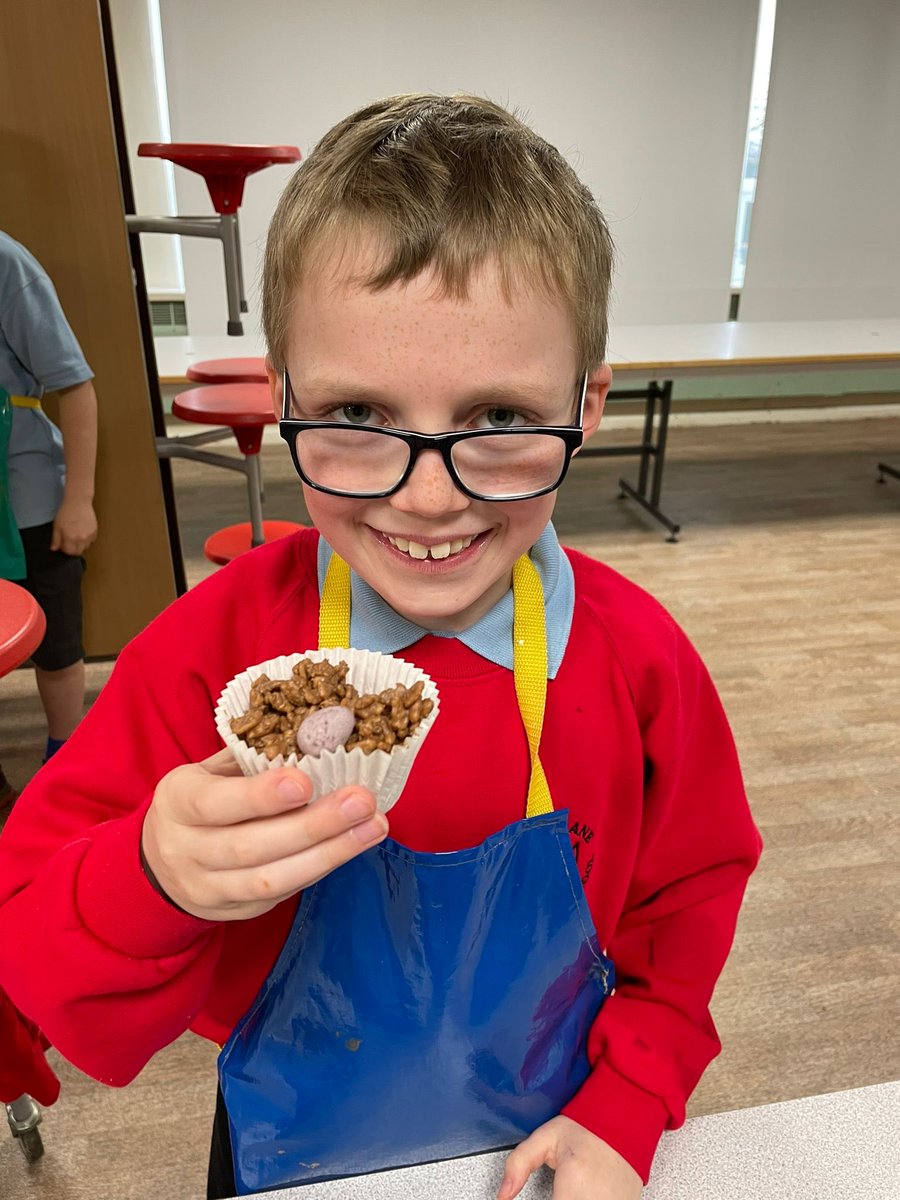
(277, 880)
(264, 842)
(197, 795)
(527, 1157)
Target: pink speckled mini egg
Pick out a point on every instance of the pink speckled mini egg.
(325, 730)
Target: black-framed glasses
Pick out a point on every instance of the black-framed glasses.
(369, 462)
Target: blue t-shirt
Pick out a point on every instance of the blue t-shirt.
(38, 353)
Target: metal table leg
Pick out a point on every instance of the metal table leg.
(648, 450)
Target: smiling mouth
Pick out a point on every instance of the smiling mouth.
(441, 550)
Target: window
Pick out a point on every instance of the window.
(759, 94)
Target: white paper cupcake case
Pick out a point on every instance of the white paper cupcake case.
(384, 773)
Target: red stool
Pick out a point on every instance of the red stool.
(22, 625)
(228, 370)
(244, 409)
(228, 543)
(225, 168)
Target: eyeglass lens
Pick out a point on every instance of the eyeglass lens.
(359, 460)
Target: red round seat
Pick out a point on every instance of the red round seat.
(22, 625)
(228, 370)
(224, 167)
(224, 545)
(246, 407)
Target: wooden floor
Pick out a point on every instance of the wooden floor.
(787, 578)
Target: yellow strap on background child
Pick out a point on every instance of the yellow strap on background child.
(529, 654)
(530, 673)
(334, 607)
(25, 402)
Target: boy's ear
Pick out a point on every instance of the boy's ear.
(598, 385)
(276, 388)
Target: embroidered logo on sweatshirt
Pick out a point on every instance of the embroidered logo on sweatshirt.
(582, 838)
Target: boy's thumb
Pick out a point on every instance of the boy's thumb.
(222, 762)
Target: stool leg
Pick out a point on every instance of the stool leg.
(254, 492)
(240, 264)
(232, 251)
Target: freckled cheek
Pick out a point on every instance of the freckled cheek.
(526, 519)
(332, 511)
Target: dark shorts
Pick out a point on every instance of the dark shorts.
(54, 579)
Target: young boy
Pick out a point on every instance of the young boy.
(434, 267)
(47, 501)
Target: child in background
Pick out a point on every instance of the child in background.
(46, 503)
(439, 982)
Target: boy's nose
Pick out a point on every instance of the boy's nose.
(430, 490)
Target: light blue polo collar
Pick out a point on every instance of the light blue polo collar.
(374, 625)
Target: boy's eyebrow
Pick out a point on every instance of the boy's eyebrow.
(363, 393)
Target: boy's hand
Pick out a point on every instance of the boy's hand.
(226, 847)
(586, 1167)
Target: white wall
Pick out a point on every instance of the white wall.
(648, 100)
(825, 232)
(144, 122)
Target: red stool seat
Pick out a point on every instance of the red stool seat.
(223, 167)
(246, 407)
(22, 625)
(228, 543)
(228, 370)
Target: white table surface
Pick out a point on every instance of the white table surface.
(175, 354)
(840, 1146)
(659, 351)
(667, 351)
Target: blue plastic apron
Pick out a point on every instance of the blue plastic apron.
(424, 1006)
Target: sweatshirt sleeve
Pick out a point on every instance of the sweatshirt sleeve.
(89, 951)
(654, 1036)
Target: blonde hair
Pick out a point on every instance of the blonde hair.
(444, 182)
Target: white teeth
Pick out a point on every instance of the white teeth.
(441, 550)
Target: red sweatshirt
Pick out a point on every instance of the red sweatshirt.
(635, 745)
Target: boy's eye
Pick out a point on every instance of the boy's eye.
(500, 418)
(353, 414)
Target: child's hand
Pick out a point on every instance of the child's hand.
(225, 847)
(586, 1167)
(74, 527)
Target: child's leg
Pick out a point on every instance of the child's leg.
(54, 579)
(62, 695)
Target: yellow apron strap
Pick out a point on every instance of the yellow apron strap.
(529, 654)
(25, 402)
(334, 607)
(530, 673)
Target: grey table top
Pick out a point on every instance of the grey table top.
(839, 1146)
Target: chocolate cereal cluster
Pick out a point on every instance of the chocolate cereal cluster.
(279, 706)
